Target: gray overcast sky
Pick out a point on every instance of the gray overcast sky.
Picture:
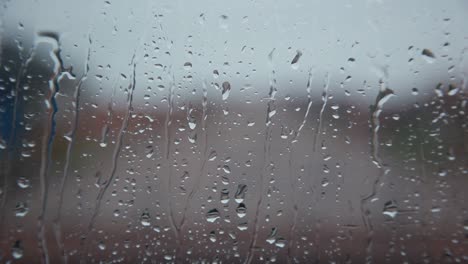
(377, 34)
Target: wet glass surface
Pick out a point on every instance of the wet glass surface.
(233, 132)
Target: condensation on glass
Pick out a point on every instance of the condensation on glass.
(234, 132)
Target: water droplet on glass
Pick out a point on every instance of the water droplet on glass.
(23, 183)
(226, 90)
(224, 196)
(145, 219)
(242, 226)
(428, 55)
(212, 215)
(21, 209)
(241, 210)
(3, 144)
(212, 236)
(390, 209)
(226, 169)
(188, 66)
(280, 242)
(192, 124)
(295, 60)
(271, 239)
(223, 21)
(212, 155)
(17, 250)
(149, 151)
(442, 172)
(240, 193)
(101, 245)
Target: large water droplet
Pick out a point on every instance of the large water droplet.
(226, 169)
(428, 55)
(212, 155)
(188, 66)
(271, 239)
(240, 193)
(241, 210)
(226, 90)
(212, 215)
(295, 60)
(145, 219)
(390, 209)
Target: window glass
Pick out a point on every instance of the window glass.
(233, 131)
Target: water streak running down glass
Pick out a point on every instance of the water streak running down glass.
(234, 131)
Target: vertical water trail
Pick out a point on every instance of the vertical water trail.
(49, 134)
(168, 123)
(69, 151)
(292, 181)
(382, 97)
(167, 135)
(120, 137)
(115, 156)
(271, 110)
(309, 105)
(426, 194)
(318, 129)
(197, 180)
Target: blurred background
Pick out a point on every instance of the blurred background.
(233, 132)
